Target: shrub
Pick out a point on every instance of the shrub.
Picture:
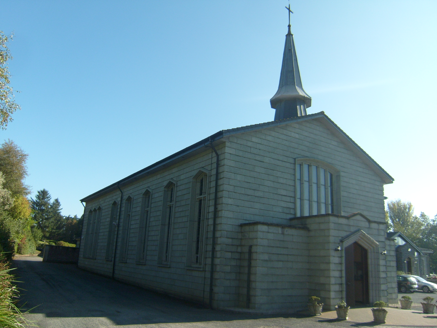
(65, 244)
(406, 297)
(314, 299)
(380, 304)
(341, 305)
(428, 299)
(10, 315)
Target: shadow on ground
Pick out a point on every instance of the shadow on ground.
(65, 291)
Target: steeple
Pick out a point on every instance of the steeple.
(290, 100)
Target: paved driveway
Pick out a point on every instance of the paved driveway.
(61, 295)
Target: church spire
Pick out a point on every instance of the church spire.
(290, 100)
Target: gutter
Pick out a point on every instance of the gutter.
(214, 219)
(116, 234)
(81, 233)
(180, 155)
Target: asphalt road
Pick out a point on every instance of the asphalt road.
(61, 295)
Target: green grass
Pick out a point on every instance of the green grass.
(10, 315)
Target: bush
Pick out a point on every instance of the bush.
(314, 299)
(380, 304)
(10, 315)
(428, 299)
(65, 244)
(406, 297)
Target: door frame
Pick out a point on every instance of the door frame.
(373, 265)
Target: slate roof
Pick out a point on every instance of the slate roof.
(221, 135)
(394, 234)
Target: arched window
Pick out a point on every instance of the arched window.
(97, 216)
(125, 229)
(88, 236)
(317, 188)
(92, 233)
(166, 224)
(111, 232)
(146, 203)
(196, 229)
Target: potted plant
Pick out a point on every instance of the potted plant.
(379, 313)
(342, 310)
(406, 302)
(314, 306)
(428, 307)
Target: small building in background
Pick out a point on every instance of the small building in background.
(410, 258)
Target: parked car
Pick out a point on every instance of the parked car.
(425, 286)
(407, 284)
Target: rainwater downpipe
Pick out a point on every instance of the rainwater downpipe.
(116, 234)
(83, 224)
(214, 217)
(249, 271)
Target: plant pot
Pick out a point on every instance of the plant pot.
(406, 304)
(342, 313)
(315, 308)
(428, 307)
(379, 315)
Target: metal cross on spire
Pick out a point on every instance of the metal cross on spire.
(289, 12)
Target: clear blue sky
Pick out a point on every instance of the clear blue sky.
(110, 87)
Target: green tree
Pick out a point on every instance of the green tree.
(402, 219)
(7, 99)
(72, 229)
(13, 165)
(47, 215)
(429, 238)
(6, 202)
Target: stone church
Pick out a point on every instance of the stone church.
(258, 217)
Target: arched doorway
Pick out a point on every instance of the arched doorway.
(357, 275)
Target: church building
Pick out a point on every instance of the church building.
(258, 217)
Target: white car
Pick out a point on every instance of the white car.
(425, 286)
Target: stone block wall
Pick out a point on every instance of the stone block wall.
(279, 268)
(60, 254)
(176, 278)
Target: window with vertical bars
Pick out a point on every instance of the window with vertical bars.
(315, 188)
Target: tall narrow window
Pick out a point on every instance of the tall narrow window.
(197, 220)
(97, 216)
(111, 232)
(144, 224)
(125, 230)
(166, 224)
(315, 188)
(88, 236)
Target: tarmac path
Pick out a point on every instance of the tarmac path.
(61, 295)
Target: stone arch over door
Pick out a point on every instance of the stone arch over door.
(372, 248)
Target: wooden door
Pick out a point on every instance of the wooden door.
(357, 275)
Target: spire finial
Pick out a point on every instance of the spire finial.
(289, 12)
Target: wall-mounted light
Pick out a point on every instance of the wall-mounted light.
(338, 248)
(384, 252)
